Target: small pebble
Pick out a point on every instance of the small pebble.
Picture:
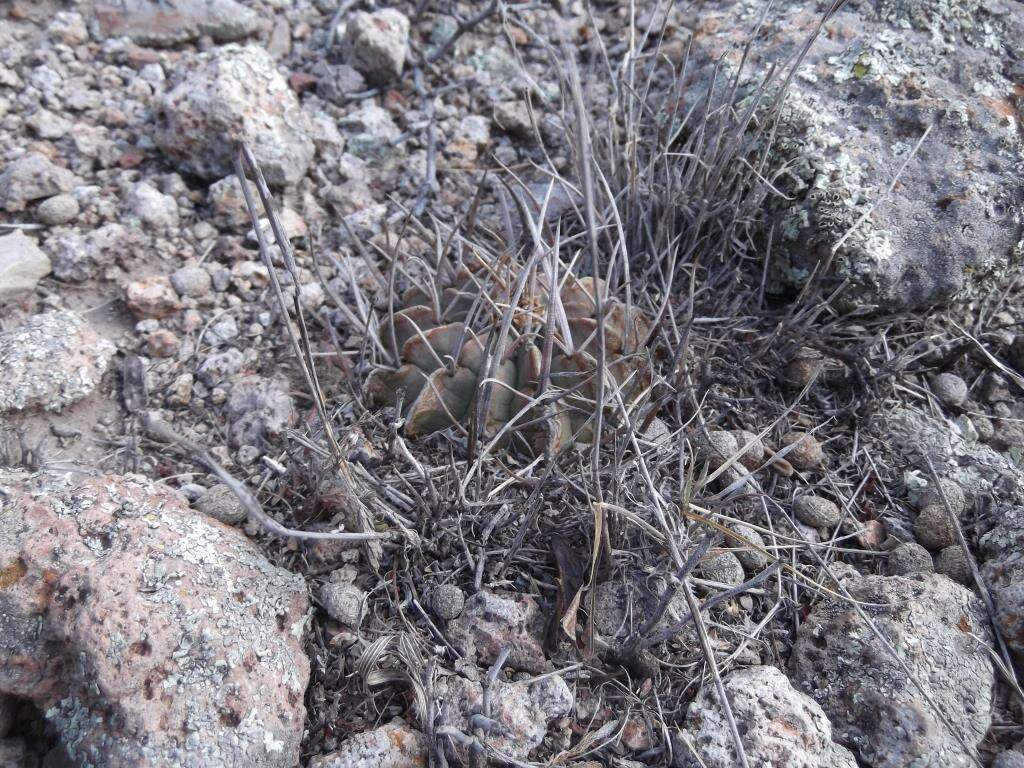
(343, 602)
(447, 602)
(950, 389)
(752, 560)
(721, 567)
(59, 209)
(191, 281)
(816, 511)
(909, 558)
(954, 494)
(716, 447)
(220, 503)
(934, 529)
(163, 343)
(753, 457)
(807, 454)
(952, 562)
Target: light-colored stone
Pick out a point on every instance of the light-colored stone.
(172, 22)
(816, 511)
(152, 297)
(779, 726)
(231, 94)
(394, 745)
(148, 634)
(933, 627)
(79, 256)
(22, 265)
(345, 603)
(57, 210)
(51, 361)
(32, 177)
(376, 44)
(153, 207)
(221, 503)
(192, 281)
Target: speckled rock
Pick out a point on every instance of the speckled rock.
(523, 710)
(172, 22)
(153, 207)
(716, 447)
(376, 44)
(874, 707)
(32, 177)
(806, 452)
(877, 77)
(147, 634)
(50, 361)
(233, 94)
(220, 503)
(934, 529)
(950, 389)
(22, 265)
(59, 209)
(721, 567)
(192, 281)
(78, 256)
(259, 409)
(750, 555)
(345, 603)
(780, 727)
(447, 601)
(953, 563)
(1009, 759)
(753, 456)
(816, 511)
(394, 745)
(907, 559)
(491, 621)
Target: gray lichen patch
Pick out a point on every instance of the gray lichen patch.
(877, 79)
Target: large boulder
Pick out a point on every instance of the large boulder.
(780, 726)
(937, 632)
(148, 634)
(876, 79)
(50, 362)
(172, 22)
(231, 94)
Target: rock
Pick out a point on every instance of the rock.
(291, 223)
(370, 134)
(228, 203)
(953, 563)
(1002, 549)
(163, 343)
(153, 207)
(953, 493)
(753, 560)
(15, 753)
(816, 511)
(492, 621)
(447, 601)
(779, 726)
(907, 559)
(807, 454)
(59, 209)
(216, 368)
(523, 710)
(137, 624)
(950, 389)
(192, 281)
(152, 297)
(376, 44)
(345, 603)
(721, 567)
(875, 708)
(50, 361)
(165, 23)
(716, 447)
(933, 528)
(233, 94)
(869, 88)
(1009, 759)
(259, 408)
(22, 265)
(32, 177)
(335, 82)
(513, 117)
(77, 256)
(221, 503)
(753, 456)
(394, 745)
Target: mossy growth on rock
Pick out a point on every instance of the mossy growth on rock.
(451, 373)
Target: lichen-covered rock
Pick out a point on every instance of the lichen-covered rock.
(780, 727)
(22, 265)
(879, 76)
(523, 710)
(875, 708)
(51, 361)
(171, 22)
(491, 621)
(147, 634)
(394, 745)
(32, 177)
(231, 94)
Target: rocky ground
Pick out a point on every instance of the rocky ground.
(238, 529)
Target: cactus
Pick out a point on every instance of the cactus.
(443, 360)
